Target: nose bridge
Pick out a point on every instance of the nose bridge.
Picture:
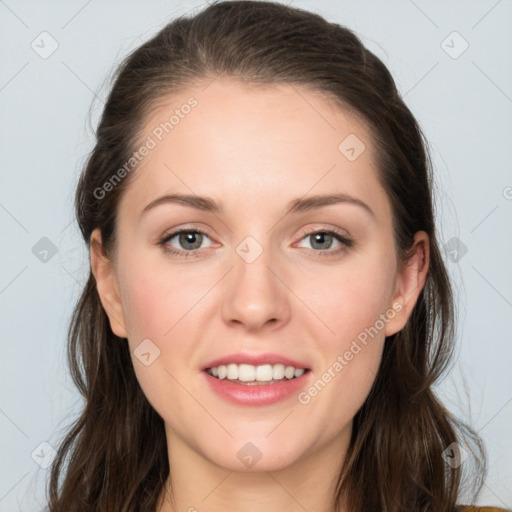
(255, 296)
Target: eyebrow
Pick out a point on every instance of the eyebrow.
(296, 206)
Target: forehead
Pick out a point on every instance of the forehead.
(259, 144)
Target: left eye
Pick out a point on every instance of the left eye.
(323, 240)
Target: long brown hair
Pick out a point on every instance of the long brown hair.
(114, 457)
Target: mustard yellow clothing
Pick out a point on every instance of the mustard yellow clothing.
(483, 509)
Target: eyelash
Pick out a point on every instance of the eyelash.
(344, 240)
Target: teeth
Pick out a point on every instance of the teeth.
(289, 372)
(250, 373)
(232, 372)
(264, 373)
(278, 371)
(223, 371)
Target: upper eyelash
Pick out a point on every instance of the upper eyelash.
(348, 242)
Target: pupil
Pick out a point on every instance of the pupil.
(188, 238)
(321, 238)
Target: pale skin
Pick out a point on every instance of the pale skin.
(254, 150)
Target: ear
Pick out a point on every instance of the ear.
(106, 284)
(409, 283)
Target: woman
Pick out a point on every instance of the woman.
(267, 307)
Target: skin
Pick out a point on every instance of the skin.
(254, 149)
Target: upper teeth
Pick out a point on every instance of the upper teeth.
(248, 372)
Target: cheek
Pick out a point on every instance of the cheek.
(354, 302)
(160, 307)
(156, 299)
(166, 305)
(144, 305)
(352, 298)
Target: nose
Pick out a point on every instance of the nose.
(256, 296)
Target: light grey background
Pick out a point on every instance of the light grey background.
(464, 105)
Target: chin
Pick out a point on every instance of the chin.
(258, 455)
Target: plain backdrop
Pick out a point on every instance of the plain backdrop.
(451, 61)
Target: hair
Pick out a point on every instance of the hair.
(114, 456)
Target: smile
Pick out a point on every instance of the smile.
(250, 374)
(245, 388)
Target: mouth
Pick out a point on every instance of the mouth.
(256, 386)
(251, 375)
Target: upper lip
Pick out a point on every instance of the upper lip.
(255, 360)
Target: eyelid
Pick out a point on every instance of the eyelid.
(177, 231)
(324, 229)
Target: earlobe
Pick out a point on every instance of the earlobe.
(106, 284)
(410, 283)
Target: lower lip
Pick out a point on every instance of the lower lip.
(256, 394)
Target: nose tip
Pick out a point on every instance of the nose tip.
(254, 297)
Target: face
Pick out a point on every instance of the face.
(265, 273)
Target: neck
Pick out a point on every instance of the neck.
(198, 485)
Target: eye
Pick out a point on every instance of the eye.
(323, 240)
(189, 241)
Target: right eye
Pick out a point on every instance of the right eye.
(191, 240)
